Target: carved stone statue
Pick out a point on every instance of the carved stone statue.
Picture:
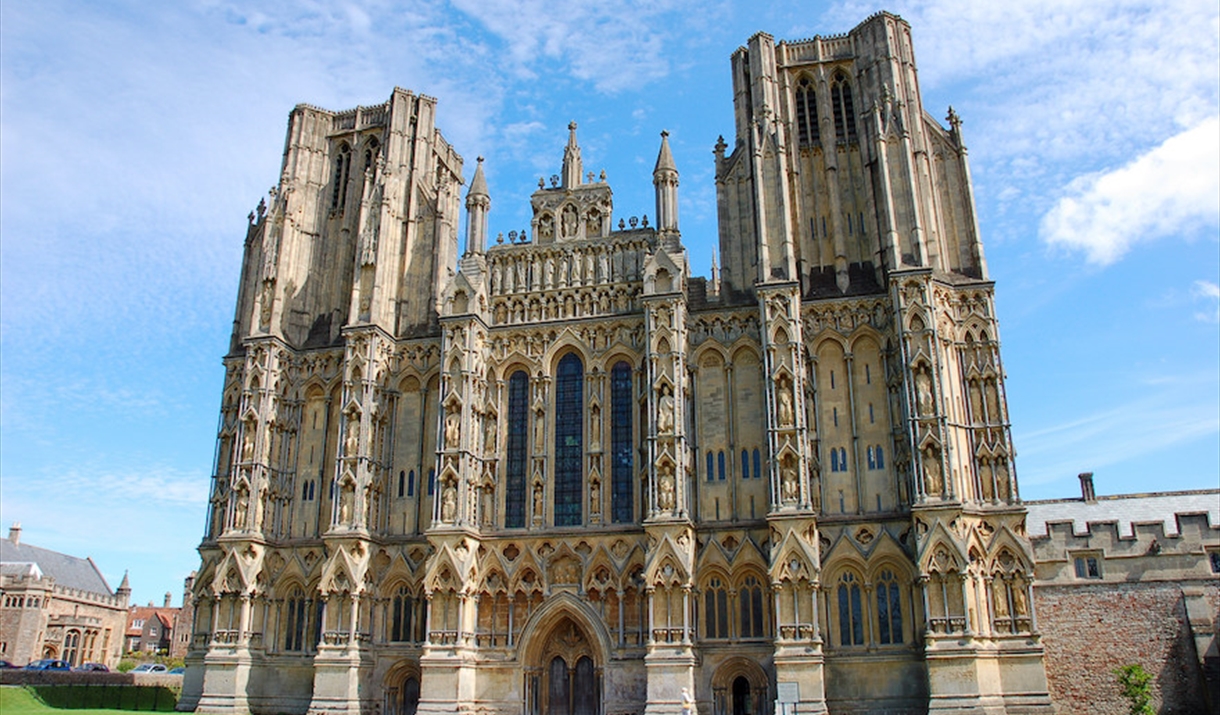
(595, 428)
(241, 508)
(538, 501)
(665, 412)
(786, 414)
(347, 498)
(934, 485)
(453, 430)
(665, 488)
(539, 434)
(489, 435)
(595, 498)
(923, 391)
(449, 502)
(570, 221)
(351, 442)
(788, 482)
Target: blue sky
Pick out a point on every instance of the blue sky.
(135, 137)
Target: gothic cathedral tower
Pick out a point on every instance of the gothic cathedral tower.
(557, 474)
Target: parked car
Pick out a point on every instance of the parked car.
(48, 664)
(149, 668)
(93, 668)
(177, 671)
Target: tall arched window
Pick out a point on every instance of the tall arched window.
(72, 646)
(889, 609)
(343, 166)
(569, 440)
(711, 471)
(844, 110)
(402, 617)
(751, 597)
(720, 465)
(851, 616)
(806, 112)
(620, 444)
(518, 439)
(757, 464)
(716, 611)
(297, 614)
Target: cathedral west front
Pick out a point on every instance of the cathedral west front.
(554, 473)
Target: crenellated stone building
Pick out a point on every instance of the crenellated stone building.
(559, 474)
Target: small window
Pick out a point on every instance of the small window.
(757, 464)
(1088, 566)
(431, 482)
(402, 483)
(720, 465)
(710, 475)
(745, 464)
(1214, 558)
(411, 483)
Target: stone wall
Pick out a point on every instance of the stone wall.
(1089, 630)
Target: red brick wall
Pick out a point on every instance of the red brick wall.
(1089, 630)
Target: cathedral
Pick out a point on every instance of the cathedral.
(555, 473)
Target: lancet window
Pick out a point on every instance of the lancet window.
(343, 167)
(851, 611)
(716, 609)
(518, 434)
(889, 609)
(750, 595)
(620, 443)
(296, 616)
(844, 110)
(569, 440)
(806, 112)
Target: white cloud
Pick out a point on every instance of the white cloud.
(614, 45)
(1209, 293)
(1168, 190)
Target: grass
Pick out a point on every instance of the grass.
(18, 700)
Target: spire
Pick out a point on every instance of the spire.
(572, 166)
(665, 159)
(665, 179)
(125, 584)
(478, 203)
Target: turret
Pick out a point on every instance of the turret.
(572, 165)
(665, 179)
(123, 592)
(478, 203)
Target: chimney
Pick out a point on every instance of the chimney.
(168, 599)
(14, 533)
(1086, 488)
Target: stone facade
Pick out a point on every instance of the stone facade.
(53, 605)
(1127, 579)
(558, 474)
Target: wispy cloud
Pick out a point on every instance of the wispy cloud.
(1166, 191)
(1120, 432)
(1209, 294)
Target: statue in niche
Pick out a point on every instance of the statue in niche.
(999, 598)
(993, 403)
(489, 434)
(539, 433)
(594, 223)
(595, 498)
(590, 277)
(595, 428)
(665, 487)
(538, 501)
(449, 502)
(934, 485)
(985, 480)
(923, 391)
(347, 499)
(1019, 604)
(241, 507)
(488, 504)
(1001, 480)
(665, 412)
(453, 430)
(546, 227)
(264, 313)
(351, 442)
(786, 413)
(548, 271)
(788, 482)
(247, 446)
(520, 275)
(570, 221)
(976, 402)
(603, 259)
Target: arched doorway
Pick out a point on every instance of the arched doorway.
(562, 675)
(742, 704)
(402, 689)
(741, 686)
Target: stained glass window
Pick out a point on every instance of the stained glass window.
(518, 433)
(569, 440)
(620, 444)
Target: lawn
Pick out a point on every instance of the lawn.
(16, 700)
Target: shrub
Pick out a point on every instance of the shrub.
(1136, 685)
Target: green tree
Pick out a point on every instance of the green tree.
(1136, 684)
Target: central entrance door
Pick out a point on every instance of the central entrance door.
(567, 681)
(742, 703)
